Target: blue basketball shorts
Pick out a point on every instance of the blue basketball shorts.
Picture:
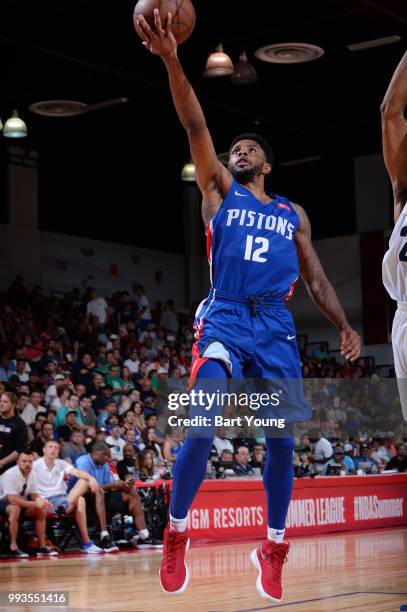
(255, 337)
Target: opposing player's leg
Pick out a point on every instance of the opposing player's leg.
(189, 472)
(399, 342)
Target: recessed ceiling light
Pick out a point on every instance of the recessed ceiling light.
(58, 108)
(289, 53)
(71, 108)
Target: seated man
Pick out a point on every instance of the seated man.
(259, 457)
(19, 497)
(128, 467)
(50, 473)
(65, 431)
(242, 466)
(119, 495)
(364, 462)
(73, 449)
(399, 462)
(339, 463)
(115, 443)
(37, 445)
(226, 456)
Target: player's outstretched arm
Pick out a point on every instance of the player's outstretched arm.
(321, 290)
(394, 129)
(159, 40)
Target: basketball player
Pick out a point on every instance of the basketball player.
(394, 128)
(257, 246)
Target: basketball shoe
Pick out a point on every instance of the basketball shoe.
(269, 559)
(174, 574)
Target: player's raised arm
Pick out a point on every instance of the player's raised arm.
(394, 129)
(321, 290)
(211, 174)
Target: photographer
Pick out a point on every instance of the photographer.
(340, 462)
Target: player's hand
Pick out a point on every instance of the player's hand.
(43, 504)
(159, 40)
(93, 485)
(124, 486)
(350, 344)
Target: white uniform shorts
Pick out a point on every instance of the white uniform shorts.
(399, 341)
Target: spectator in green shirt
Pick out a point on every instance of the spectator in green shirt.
(114, 380)
(128, 380)
(71, 404)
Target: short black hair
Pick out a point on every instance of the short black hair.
(74, 431)
(268, 152)
(100, 446)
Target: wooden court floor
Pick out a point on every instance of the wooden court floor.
(365, 572)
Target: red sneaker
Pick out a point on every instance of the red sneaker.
(174, 574)
(268, 559)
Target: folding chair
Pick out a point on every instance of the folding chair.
(61, 529)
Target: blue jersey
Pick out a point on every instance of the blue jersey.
(250, 245)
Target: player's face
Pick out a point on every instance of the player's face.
(247, 160)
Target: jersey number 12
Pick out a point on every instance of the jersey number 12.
(256, 254)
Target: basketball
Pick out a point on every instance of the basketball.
(183, 15)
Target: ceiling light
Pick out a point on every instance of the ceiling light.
(188, 173)
(245, 73)
(375, 42)
(58, 108)
(71, 108)
(15, 127)
(289, 53)
(218, 64)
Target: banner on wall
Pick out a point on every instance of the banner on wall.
(236, 509)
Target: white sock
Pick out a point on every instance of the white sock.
(275, 535)
(144, 533)
(103, 534)
(179, 524)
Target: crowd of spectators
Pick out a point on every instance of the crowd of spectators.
(81, 408)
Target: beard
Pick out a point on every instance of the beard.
(245, 175)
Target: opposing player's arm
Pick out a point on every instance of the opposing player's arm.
(394, 130)
(321, 290)
(212, 177)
